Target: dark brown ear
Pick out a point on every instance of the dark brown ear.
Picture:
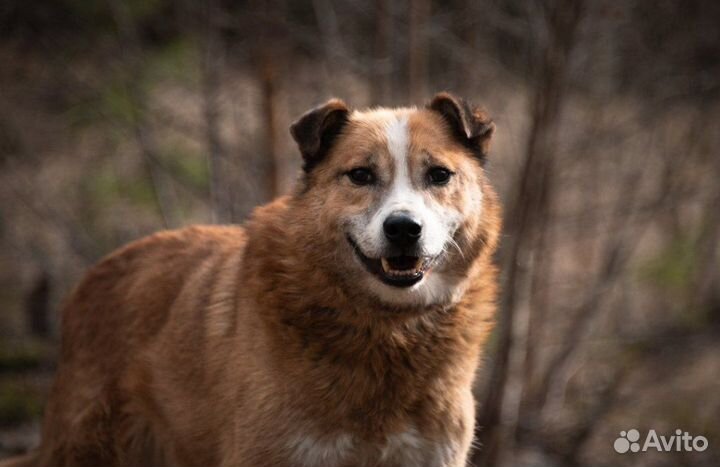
(315, 131)
(472, 127)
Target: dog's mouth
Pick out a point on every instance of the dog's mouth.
(397, 271)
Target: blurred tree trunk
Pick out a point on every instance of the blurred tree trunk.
(561, 20)
(37, 306)
(704, 278)
(268, 90)
(468, 23)
(418, 50)
(331, 38)
(269, 55)
(381, 87)
(221, 193)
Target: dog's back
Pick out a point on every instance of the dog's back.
(109, 326)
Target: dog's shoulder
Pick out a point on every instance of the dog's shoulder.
(150, 271)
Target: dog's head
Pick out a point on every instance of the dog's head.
(397, 195)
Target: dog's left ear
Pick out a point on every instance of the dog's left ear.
(315, 131)
(472, 126)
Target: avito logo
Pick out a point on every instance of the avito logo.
(629, 441)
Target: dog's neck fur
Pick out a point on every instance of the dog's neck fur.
(373, 365)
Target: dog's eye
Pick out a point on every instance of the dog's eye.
(439, 175)
(361, 176)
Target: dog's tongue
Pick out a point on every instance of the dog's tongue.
(401, 263)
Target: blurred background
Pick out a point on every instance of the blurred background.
(122, 117)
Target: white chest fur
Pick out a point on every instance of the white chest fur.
(404, 449)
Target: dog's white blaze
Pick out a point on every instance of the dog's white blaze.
(403, 196)
(398, 142)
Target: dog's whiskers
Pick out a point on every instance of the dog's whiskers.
(452, 242)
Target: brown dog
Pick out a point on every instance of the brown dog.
(341, 326)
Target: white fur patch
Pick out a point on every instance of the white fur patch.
(407, 448)
(436, 287)
(406, 445)
(398, 142)
(312, 452)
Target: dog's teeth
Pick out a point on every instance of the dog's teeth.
(389, 270)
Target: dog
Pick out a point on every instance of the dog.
(341, 326)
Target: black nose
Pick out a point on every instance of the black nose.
(402, 230)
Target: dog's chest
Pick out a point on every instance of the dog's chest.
(403, 449)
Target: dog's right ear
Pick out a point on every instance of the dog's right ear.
(315, 131)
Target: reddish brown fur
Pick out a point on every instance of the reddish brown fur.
(217, 345)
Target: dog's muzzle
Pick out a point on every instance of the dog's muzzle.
(399, 270)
